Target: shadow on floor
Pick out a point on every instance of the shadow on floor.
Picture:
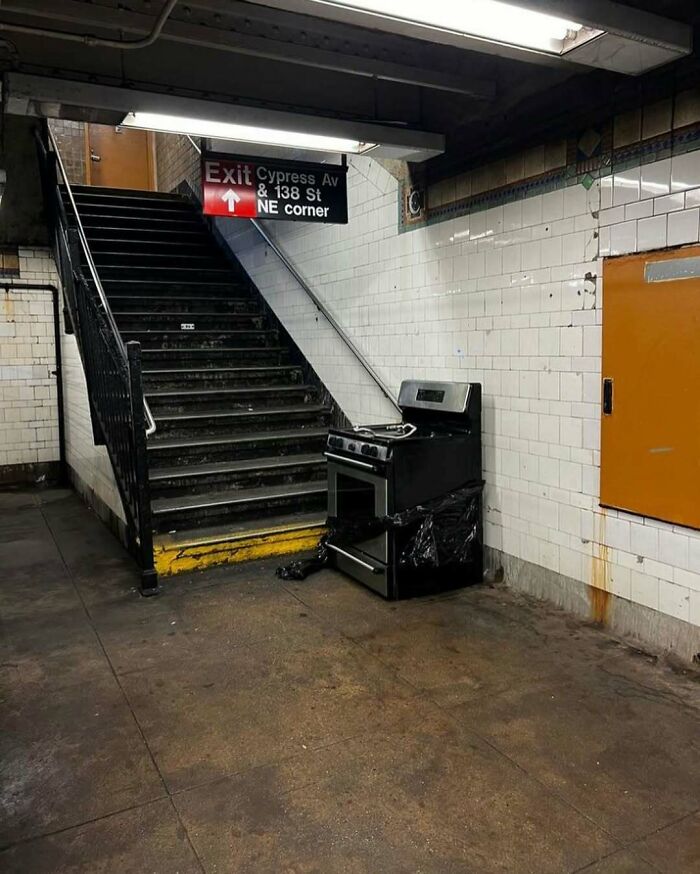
(240, 724)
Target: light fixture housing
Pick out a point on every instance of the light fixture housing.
(243, 133)
(490, 20)
(49, 97)
(594, 33)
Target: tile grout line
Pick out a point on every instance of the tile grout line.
(122, 690)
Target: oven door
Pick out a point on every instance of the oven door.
(356, 490)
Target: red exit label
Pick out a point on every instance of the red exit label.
(228, 188)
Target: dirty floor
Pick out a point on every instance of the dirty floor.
(241, 724)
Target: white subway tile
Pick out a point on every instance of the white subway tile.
(685, 171)
(683, 227)
(639, 210)
(670, 203)
(612, 216)
(644, 589)
(623, 238)
(626, 186)
(656, 178)
(652, 233)
(674, 600)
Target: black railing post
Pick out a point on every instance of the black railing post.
(149, 577)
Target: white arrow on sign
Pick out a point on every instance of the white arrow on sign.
(231, 197)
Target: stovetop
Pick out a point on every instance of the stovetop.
(376, 442)
(431, 411)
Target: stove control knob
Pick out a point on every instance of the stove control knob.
(352, 447)
(373, 451)
(365, 449)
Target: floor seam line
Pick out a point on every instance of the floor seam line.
(59, 831)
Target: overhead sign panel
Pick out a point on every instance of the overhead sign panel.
(292, 191)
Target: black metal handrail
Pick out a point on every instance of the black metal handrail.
(112, 369)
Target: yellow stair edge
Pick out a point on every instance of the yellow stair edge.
(172, 556)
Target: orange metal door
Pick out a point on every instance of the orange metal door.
(119, 157)
(650, 452)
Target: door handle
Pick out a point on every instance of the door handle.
(607, 396)
(94, 157)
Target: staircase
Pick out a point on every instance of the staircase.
(235, 467)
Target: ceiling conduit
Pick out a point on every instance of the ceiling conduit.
(90, 40)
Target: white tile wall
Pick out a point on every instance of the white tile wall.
(28, 414)
(28, 411)
(510, 297)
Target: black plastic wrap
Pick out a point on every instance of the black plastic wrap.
(439, 534)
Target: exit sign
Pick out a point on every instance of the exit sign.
(267, 188)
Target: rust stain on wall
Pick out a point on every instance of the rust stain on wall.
(599, 584)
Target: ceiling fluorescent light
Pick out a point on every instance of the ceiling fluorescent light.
(489, 20)
(243, 133)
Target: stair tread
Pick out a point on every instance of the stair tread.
(240, 414)
(236, 528)
(162, 315)
(198, 332)
(209, 499)
(259, 437)
(247, 464)
(209, 370)
(209, 350)
(239, 390)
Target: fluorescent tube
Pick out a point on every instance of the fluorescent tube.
(223, 130)
(484, 19)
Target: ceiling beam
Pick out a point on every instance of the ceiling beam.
(43, 96)
(89, 15)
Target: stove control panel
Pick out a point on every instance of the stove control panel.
(369, 451)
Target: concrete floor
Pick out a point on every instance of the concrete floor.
(239, 724)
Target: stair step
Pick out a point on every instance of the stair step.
(218, 357)
(163, 273)
(145, 234)
(200, 510)
(176, 451)
(237, 421)
(157, 260)
(133, 207)
(141, 224)
(222, 377)
(200, 339)
(171, 288)
(121, 244)
(172, 322)
(129, 304)
(250, 398)
(98, 192)
(236, 541)
(237, 475)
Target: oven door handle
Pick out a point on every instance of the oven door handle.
(365, 564)
(349, 460)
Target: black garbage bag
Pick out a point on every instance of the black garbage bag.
(441, 533)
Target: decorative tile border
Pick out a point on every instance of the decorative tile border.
(589, 157)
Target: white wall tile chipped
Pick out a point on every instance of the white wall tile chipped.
(439, 303)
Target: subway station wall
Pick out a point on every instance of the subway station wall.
(509, 295)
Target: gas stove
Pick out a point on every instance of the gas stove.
(379, 470)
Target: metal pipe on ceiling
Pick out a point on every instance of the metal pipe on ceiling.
(223, 39)
(90, 40)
